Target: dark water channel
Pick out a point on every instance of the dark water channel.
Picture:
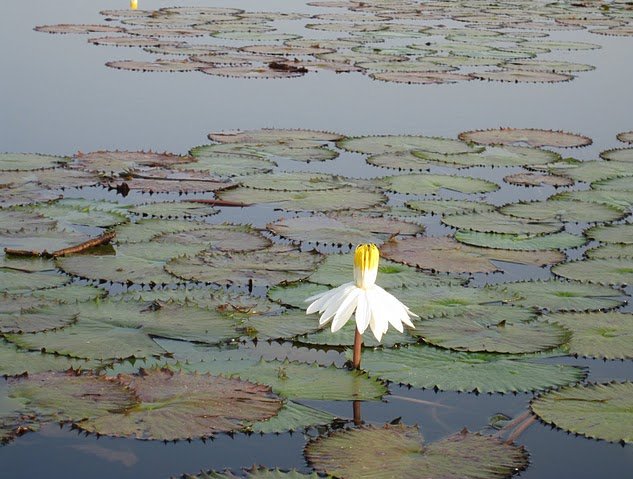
(57, 97)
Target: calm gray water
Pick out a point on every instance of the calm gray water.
(58, 97)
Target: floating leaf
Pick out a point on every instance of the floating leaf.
(530, 136)
(185, 406)
(76, 28)
(483, 333)
(611, 250)
(560, 210)
(556, 295)
(66, 397)
(29, 161)
(537, 179)
(445, 254)
(16, 362)
(618, 154)
(617, 199)
(398, 451)
(274, 265)
(90, 339)
(496, 222)
(428, 367)
(625, 136)
(556, 66)
(598, 335)
(614, 184)
(174, 210)
(282, 181)
(375, 145)
(342, 229)
(561, 240)
(620, 233)
(295, 294)
(604, 271)
(448, 207)
(227, 164)
(596, 411)
(117, 162)
(591, 171)
(18, 281)
(424, 184)
(494, 156)
(254, 473)
(291, 417)
(28, 314)
(344, 198)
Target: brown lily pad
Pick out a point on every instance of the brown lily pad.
(72, 28)
(529, 136)
(157, 66)
(422, 78)
(185, 406)
(538, 179)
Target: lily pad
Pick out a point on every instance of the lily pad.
(554, 295)
(185, 406)
(496, 222)
(485, 334)
(538, 179)
(618, 154)
(446, 255)
(174, 210)
(78, 28)
(425, 184)
(614, 184)
(429, 367)
(603, 271)
(17, 362)
(561, 240)
(611, 250)
(398, 451)
(620, 233)
(344, 198)
(299, 181)
(254, 473)
(449, 207)
(291, 417)
(556, 66)
(375, 145)
(560, 210)
(19, 281)
(598, 335)
(227, 164)
(625, 136)
(28, 314)
(529, 136)
(497, 156)
(596, 411)
(617, 199)
(116, 162)
(592, 171)
(29, 161)
(89, 339)
(342, 229)
(274, 265)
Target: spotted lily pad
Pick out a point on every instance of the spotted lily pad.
(185, 406)
(561, 240)
(495, 222)
(398, 451)
(428, 367)
(342, 229)
(598, 335)
(274, 265)
(447, 255)
(596, 411)
(530, 136)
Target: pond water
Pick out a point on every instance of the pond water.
(59, 98)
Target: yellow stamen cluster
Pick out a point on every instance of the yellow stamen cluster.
(366, 257)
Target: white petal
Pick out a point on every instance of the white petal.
(363, 312)
(323, 298)
(375, 327)
(345, 310)
(333, 304)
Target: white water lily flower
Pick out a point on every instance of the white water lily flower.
(374, 306)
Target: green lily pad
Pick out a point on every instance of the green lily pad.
(65, 397)
(342, 229)
(398, 451)
(447, 255)
(621, 183)
(28, 314)
(529, 136)
(174, 210)
(481, 333)
(375, 145)
(496, 222)
(592, 171)
(611, 250)
(344, 198)
(449, 207)
(561, 240)
(620, 234)
(184, 406)
(560, 210)
(618, 154)
(603, 271)
(292, 380)
(556, 66)
(16, 362)
(29, 161)
(18, 281)
(295, 294)
(90, 339)
(617, 199)
(557, 295)
(225, 164)
(598, 335)
(281, 181)
(296, 138)
(292, 417)
(145, 230)
(345, 337)
(428, 367)
(494, 156)
(596, 411)
(254, 473)
(425, 184)
(274, 265)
